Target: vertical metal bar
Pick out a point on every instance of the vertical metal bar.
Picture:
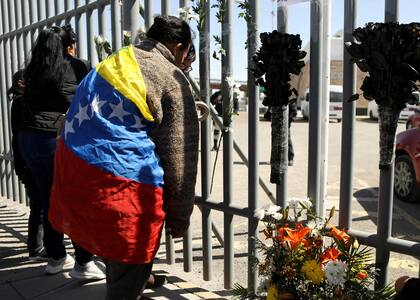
(33, 18)
(187, 250)
(148, 14)
(184, 3)
(41, 10)
(165, 7)
(227, 141)
(90, 38)
(315, 103)
(49, 11)
(131, 12)
(253, 150)
(349, 112)
(25, 11)
(14, 68)
(3, 99)
(20, 59)
(67, 10)
(392, 10)
(170, 248)
(82, 48)
(2, 162)
(116, 25)
(281, 189)
(18, 18)
(204, 57)
(101, 19)
(5, 109)
(58, 7)
(386, 189)
(325, 92)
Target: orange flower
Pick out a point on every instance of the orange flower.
(294, 236)
(330, 254)
(362, 275)
(340, 234)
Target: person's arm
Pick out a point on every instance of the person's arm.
(176, 142)
(17, 112)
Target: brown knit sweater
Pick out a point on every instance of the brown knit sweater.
(176, 137)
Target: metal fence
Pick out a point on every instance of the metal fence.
(22, 20)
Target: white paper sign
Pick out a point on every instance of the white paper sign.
(289, 2)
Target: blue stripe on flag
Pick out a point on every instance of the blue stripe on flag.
(106, 130)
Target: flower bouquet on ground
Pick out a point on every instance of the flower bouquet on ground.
(305, 257)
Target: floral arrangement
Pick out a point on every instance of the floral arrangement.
(305, 257)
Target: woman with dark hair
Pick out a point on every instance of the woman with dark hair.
(51, 78)
(35, 229)
(130, 147)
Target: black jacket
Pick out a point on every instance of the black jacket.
(17, 120)
(45, 106)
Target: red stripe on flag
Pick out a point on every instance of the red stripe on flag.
(109, 216)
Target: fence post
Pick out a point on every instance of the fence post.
(204, 57)
(281, 189)
(253, 149)
(386, 190)
(227, 140)
(349, 111)
(314, 157)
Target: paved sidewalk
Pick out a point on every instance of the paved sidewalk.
(24, 279)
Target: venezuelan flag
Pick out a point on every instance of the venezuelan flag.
(107, 192)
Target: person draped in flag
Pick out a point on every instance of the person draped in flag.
(126, 160)
(51, 78)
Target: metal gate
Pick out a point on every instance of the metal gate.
(21, 22)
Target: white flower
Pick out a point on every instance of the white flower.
(306, 202)
(272, 209)
(240, 1)
(187, 13)
(294, 203)
(335, 272)
(99, 39)
(263, 286)
(259, 214)
(230, 81)
(277, 216)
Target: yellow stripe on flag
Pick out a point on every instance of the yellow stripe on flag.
(122, 72)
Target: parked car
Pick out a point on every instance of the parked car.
(414, 120)
(407, 166)
(404, 115)
(336, 103)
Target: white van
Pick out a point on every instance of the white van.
(336, 103)
(404, 115)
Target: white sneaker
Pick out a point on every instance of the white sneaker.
(90, 271)
(56, 266)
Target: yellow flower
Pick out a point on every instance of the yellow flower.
(272, 293)
(312, 271)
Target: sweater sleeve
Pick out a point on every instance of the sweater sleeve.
(176, 142)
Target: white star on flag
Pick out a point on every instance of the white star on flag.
(97, 104)
(118, 111)
(82, 114)
(68, 128)
(138, 123)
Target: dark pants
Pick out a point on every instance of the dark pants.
(38, 150)
(124, 281)
(35, 227)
